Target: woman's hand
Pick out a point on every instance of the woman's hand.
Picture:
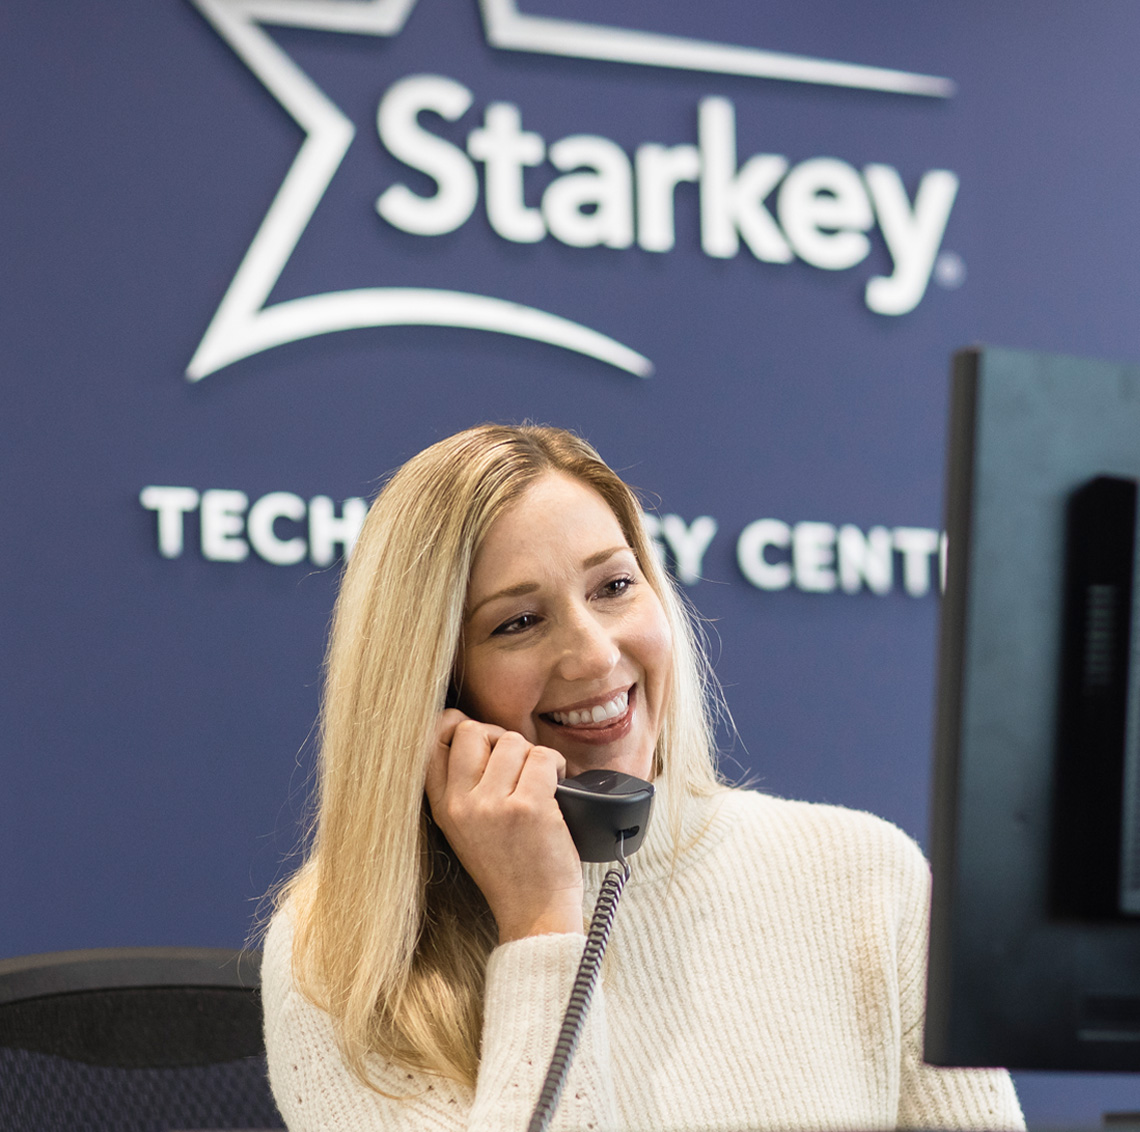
(492, 794)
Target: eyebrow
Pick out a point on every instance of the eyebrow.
(530, 587)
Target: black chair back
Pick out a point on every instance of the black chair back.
(133, 1040)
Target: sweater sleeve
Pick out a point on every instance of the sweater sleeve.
(933, 1097)
(528, 985)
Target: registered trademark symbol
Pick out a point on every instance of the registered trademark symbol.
(950, 270)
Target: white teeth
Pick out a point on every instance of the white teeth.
(612, 710)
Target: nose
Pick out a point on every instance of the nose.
(588, 650)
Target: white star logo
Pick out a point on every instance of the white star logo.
(243, 325)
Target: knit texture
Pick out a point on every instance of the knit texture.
(766, 971)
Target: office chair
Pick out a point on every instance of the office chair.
(148, 1039)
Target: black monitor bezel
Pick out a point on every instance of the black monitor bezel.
(1011, 982)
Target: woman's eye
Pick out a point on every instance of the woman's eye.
(515, 625)
(617, 586)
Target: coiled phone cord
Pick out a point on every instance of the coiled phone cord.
(582, 991)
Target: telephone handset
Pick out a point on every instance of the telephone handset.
(606, 811)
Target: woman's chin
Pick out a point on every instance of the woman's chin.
(636, 763)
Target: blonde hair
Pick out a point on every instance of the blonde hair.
(392, 935)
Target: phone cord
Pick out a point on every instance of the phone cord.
(581, 992)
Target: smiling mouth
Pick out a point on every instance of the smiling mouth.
(598, 716)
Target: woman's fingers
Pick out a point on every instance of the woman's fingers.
(539, 773)
(474, 756)
(491, 793)
(436, 781)
(509, 755)
(462, 748)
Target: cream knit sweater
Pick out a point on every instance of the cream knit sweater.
(769, 975)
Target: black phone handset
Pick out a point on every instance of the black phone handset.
(607, 813)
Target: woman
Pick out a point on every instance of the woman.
(504, 622)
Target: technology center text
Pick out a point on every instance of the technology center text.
(821, 210)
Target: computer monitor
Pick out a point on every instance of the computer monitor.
(1035, 935)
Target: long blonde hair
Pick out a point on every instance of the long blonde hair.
(392, 935)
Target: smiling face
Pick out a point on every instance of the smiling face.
(564, 640)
